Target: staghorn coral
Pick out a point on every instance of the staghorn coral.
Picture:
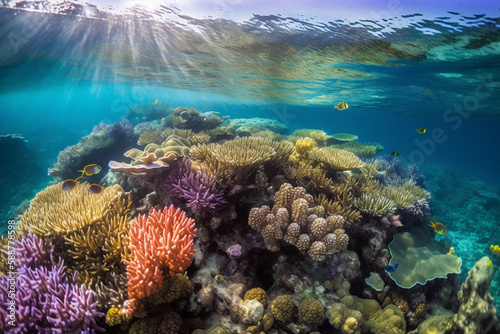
(336, 159)
(161, 243)
(296, 220)
(201, 193)
(406, 194)
(90, 231)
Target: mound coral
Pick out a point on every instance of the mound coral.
(256, 293)
(161, 244)
(356, 315)
(311, 311)
(283, 308)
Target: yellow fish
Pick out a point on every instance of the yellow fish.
(90, 170)
(421, 130)
(495, 249)
(342, 106)
(438, 228)
(154, 102)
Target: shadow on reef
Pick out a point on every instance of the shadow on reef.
(211, 225)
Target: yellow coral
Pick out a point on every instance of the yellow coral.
(115, 316)
(257, 293)
(55, 212)
(302, 148)
(311, 311)
(375, 205)
(495, 249)
(283, 308)
(336, 159)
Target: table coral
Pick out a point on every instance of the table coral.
(420, 260)
(161, 244)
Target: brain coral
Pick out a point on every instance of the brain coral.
(311, 311)
(283, 308)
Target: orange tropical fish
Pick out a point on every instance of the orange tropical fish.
(154, 102)
(90, 170)
(438, 228)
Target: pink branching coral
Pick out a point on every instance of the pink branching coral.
(161, 244)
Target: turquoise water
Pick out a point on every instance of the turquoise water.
(65, 69)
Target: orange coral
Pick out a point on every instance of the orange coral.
(161, 243)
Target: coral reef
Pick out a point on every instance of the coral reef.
(191, 118)
(230, 227)
(103, 144)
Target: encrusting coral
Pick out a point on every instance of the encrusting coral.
(161, 245)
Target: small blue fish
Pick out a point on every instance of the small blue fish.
(391, 269)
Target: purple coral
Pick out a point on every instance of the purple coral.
(43, 299)
(202, 194)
